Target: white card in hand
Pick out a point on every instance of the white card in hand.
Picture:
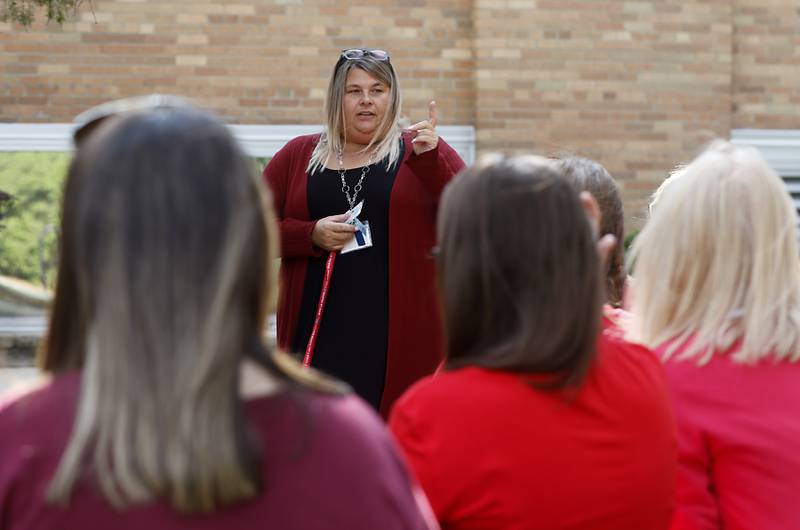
(361, 239)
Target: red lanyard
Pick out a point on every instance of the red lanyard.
(323, 295)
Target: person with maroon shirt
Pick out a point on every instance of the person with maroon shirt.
(164, 408)
(380, 329)
(535, 421)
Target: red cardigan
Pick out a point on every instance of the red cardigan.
(415, 337)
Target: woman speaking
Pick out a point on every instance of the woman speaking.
(368, 191)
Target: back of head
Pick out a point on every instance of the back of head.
(161, 292)
(519, 274)
(718, 260)
(588, 175)
(89, 121)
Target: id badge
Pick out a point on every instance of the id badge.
(362, 238)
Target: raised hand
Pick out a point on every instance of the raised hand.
(426, 138)
(331, 233)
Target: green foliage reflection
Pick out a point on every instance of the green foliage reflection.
(30, 217)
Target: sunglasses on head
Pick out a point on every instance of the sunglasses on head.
(360, 53)
(89, 120)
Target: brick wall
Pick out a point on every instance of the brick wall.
(638, 85)
(766, 66)
(253, 61)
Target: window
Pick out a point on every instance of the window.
(781, 149)
(33, 162)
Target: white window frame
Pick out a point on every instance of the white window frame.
(780, 148)
(257, 140)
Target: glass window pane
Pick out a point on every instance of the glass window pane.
(30, 199)
(30, 196)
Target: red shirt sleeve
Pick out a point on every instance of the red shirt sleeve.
(389, 498)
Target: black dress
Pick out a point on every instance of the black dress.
(353, 335)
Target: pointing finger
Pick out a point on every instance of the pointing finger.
(420, 125)
(433, 114)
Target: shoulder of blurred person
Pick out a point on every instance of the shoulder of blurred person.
(20, 389)
(323, 449)
(493, 418)
(626, 367)
(743, 421)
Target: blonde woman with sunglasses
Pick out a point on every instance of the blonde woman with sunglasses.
(365, 192)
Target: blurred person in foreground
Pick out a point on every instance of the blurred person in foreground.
(166, 409)
(717, 295)
(380, 330)
(538, 420)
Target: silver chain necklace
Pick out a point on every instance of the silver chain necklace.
(357, 188)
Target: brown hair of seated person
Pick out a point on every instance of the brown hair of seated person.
(519, 273)
(588, 175)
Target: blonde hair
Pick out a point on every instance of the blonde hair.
(718, 262)
(386, 141)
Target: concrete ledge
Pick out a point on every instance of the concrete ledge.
(20, 298)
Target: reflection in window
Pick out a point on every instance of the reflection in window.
(31, 183)
(30, 199)
(30, 196)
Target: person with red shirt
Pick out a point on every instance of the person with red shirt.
(536, 422)
(717, 296)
